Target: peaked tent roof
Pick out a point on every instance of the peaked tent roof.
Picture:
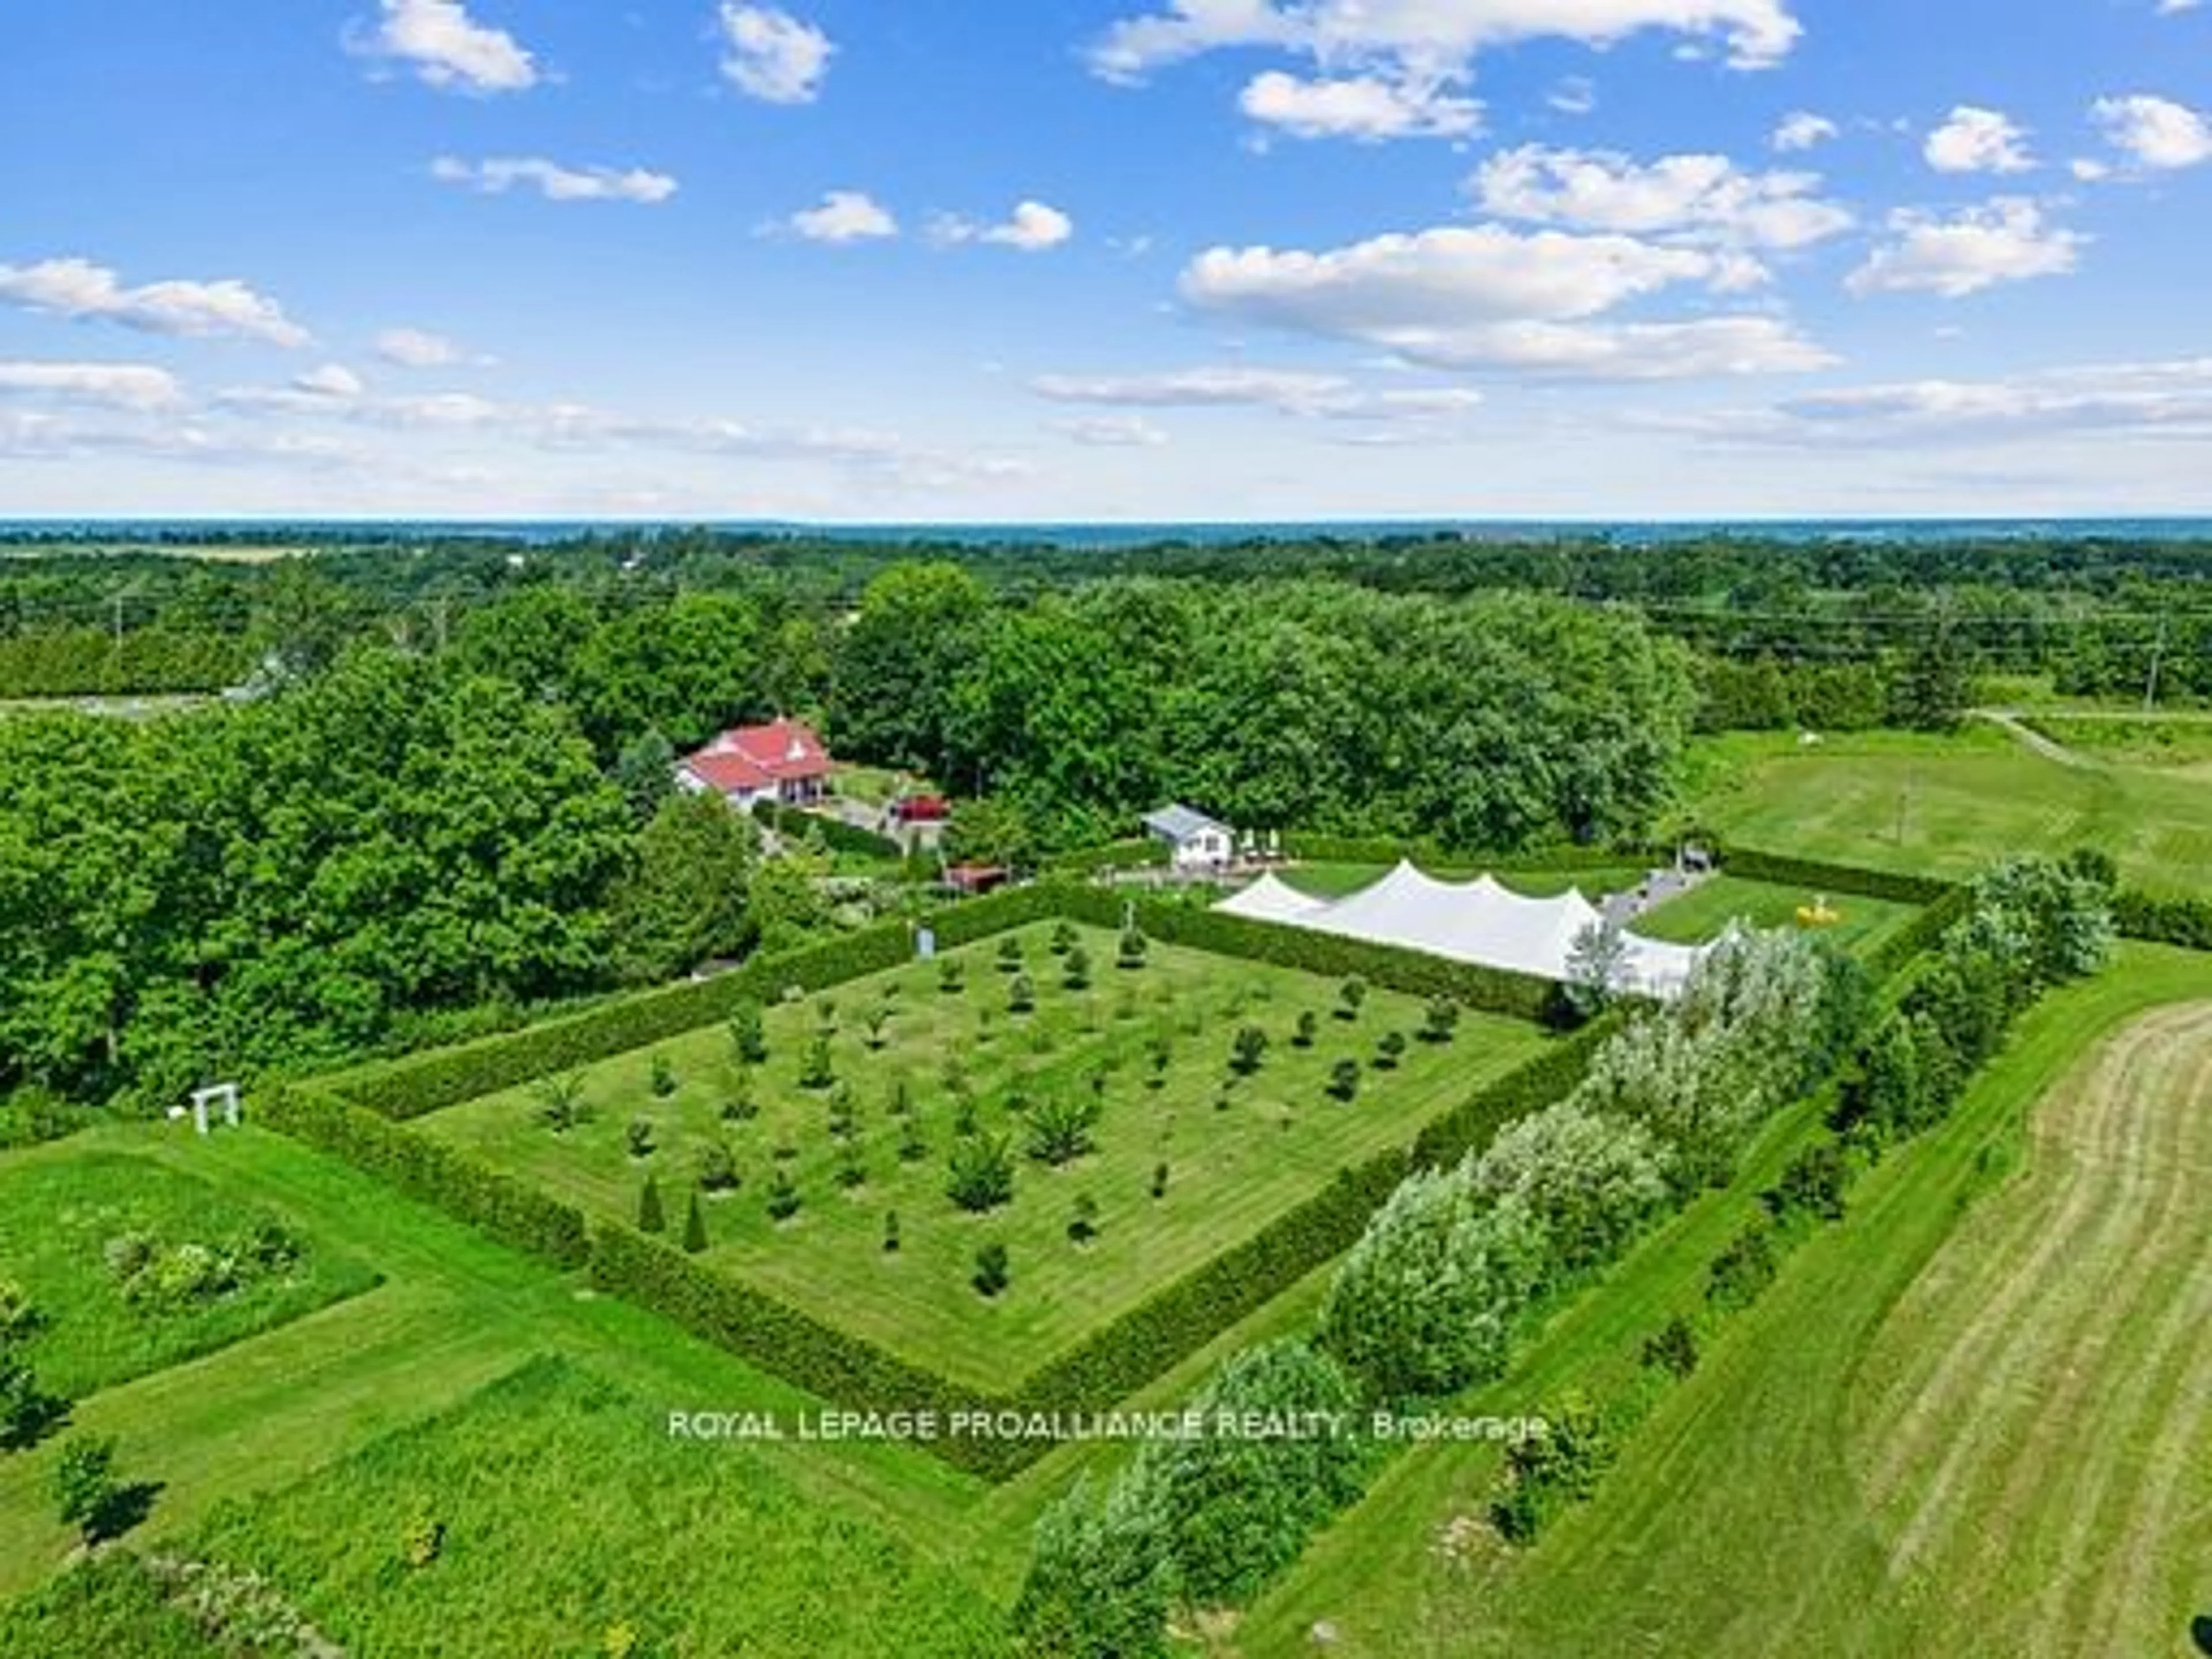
(1479, 921)
(1269, 899)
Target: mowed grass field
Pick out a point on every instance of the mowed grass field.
(1950, 805)
(454, 1313)
(1932, 1436)
(58, 1218)
(567, 1512)
(1232, 1168)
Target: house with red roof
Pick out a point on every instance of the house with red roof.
(783, 761)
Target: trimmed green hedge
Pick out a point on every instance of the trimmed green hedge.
(2183, 921)
(1471, 1126)
(1785, 872)
(780, 1339)
(1358, 849)
(510, 1210)
(1909, 942)
(446, 1076)
(837, 836)
(1113, 855)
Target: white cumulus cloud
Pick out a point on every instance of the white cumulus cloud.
(773, 56)
(2155, 132)
(1031, 227)
(1439, 38)
(1112, 431)
(2007, 239)
(80, 289)
(1366, 107)
(1976, 140)
(1802, 130)
(844, 216)
(1700, 195)
(140, 387)
(497, 175)
(416, 348)
(448, 48)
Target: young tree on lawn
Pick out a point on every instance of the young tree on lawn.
(1060, 1128)
(992, 1273)
(1389, 1049)
(1344, 1079)
(981, 1176)
(818, 1072)
(86, 1490)
(748, 1035)
(1349, 996)
(1247, 1050)
(1442, 1020)
(695, 1228)
(1309, 1026)
(1021, 995)
(651, 1217)
(560, 1101)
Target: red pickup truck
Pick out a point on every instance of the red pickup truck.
(921, 808)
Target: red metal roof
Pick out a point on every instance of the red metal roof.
(754, 757)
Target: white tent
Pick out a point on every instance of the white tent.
(1479, 921)
(1270, 899)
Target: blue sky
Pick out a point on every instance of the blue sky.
(846, 259)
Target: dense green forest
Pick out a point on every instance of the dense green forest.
(439, 792)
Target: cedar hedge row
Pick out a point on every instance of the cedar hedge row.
(510, 1210)
(2160, 921)
(1113, 855)
(1785, 871)
(1471, 1126)
(445, 1077)
(1918, 936)
(1355, 849)
(837, 836)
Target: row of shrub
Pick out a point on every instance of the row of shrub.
(511, 1210)
(2022, 928)
(835, 833)
(429, 1082)
(2165, 920)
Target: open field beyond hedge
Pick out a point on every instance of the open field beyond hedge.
(1232, 1168)
(1949, 807)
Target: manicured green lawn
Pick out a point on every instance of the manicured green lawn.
(1738, 1520)
(1230, 1168)
(60, 1217)
(567, 1510)
(1702, 913)
(1949, 807)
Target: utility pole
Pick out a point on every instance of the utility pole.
(2157, 661)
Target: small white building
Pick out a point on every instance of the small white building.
(1195, 841)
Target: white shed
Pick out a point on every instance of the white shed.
(1195, 841)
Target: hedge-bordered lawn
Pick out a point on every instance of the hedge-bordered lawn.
(1280, 1138)
(1703, 912)
(62, 1210)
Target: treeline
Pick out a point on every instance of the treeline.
(1496, 721)
(390, 851)
(2095, 612)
